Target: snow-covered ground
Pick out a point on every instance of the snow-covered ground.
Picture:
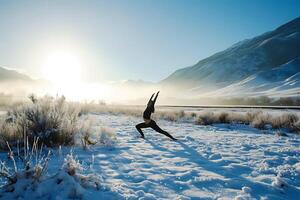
(207, 162)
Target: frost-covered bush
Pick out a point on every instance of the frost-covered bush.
(91, 134)
(206, 118)
(74, 169)
(68, 182)
(296, 127)
(261, 120)
(52, 120)
(223, 117)
(284, 121)
(193, 114)
(85, 133)
(107, 137)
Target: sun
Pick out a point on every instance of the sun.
(62, 68)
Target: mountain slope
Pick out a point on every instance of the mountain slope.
(253, 57)
(12, 75)
(278, 82)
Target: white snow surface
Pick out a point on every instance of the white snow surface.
(207, 162)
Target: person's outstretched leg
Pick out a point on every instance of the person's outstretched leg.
(154, 126)
(139, 128)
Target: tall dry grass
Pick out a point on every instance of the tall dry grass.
(258, 119)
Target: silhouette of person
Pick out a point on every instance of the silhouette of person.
(150, 123)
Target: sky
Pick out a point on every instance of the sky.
(131, 39)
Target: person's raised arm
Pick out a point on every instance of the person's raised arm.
(154, 100)
(151, 98)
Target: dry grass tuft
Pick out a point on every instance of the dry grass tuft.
(69, 180)
(33, 167)
(256, 119)
(206, 118)
(107, 137)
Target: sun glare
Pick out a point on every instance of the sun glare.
(62, 68)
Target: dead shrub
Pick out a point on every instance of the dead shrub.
(52, 120)
(206, 118)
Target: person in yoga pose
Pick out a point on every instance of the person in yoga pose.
(150, 123)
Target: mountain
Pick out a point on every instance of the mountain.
(17, 85)
(268, 64)
(12, 75)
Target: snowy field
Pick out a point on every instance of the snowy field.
(207, 162)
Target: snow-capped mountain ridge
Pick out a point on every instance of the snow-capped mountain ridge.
(250, 59)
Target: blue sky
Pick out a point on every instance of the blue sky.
(129, 39)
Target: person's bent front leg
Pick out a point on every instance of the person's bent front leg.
(139, 128)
